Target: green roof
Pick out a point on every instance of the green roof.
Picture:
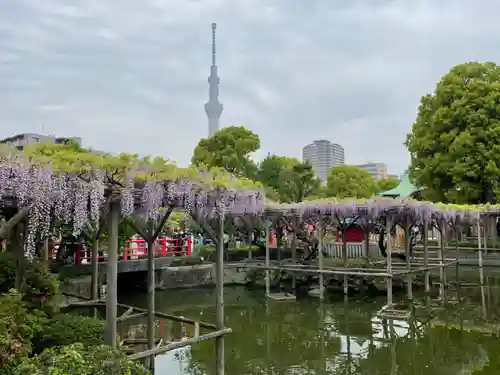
(404, 189)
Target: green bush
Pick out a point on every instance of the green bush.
(17, 327)
(77, 359)
(40, 287)
(66, 329)
(186, 261)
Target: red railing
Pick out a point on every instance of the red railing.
(137, 249)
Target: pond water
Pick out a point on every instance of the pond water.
(333, 337)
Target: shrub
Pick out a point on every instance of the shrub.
(40, 287)
(66, 329)
(77, 359)
(186, 261)
(17, 327)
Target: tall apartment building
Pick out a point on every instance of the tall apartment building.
(377, 170)
(20, 141)
(323, 155)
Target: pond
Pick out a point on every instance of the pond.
(334, 337)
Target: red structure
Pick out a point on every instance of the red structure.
(138, 249)
(353, 234)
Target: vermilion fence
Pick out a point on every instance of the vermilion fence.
(138, 249)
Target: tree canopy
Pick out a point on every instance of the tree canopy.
(455, 140)
(230, 149)
(297, 182)
(345, 181)
(385, 184)
(271, 167)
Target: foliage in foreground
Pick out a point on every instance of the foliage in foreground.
(66, 329)
(77, 359)
(455, 140)
(18, 326)
(40, 289)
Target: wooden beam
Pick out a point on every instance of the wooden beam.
(179, 344)
(6, 228)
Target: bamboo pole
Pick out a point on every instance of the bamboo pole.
(219, 286)
(112, 273)
(389, 260)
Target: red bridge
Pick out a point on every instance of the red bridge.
(137, 249)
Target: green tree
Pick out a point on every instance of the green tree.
(385, 184)
(229, 148)
(297, 182)
(347, 181)
(455, 140)
(271, 167)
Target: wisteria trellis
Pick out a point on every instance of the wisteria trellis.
(79, 200)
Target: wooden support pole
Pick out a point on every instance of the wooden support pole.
(250, 234)
(479, 249)
(94, 279)
(343, 226)
(151, 302)
(409, 277)
(219, 286)
(180, 344)
(389, 260)
(294, 260)
(268, 276)
(457, 252)
(366, 245)
(320, 259)
(442, 276)
(112, 273)
(426, 255)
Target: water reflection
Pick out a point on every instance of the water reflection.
(339, 337)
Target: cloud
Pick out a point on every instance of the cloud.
(132, 76)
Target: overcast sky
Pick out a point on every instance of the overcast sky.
(131, 75)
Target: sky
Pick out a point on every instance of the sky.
(131, 76)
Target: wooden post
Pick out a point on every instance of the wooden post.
(268, 282)
(250, 234)
(219, 288)
(366, 245)
(112, 273)
(320, 260)
(343, 226)
(46, 253)
(389, 260)
(442, 276)
(457, 254)
(409, 277)
(426, 255)
(94, 281)
(294, 260)
(479, 250)
(151, 296)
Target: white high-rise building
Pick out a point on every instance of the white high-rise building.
(323, 155)
(377, 170)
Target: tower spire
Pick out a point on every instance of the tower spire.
(213, 107)
(214, 28)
